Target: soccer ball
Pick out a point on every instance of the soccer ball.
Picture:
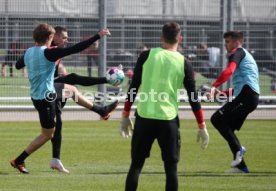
(115, 76)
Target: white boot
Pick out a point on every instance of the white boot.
(239, 156)
(57, 164)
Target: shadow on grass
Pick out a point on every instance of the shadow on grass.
(107, 173)
(4, 173)
(223, 174)
(196, 174)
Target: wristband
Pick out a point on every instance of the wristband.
(201, 125)
(125, 113)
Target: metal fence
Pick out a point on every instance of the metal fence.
(135, 24)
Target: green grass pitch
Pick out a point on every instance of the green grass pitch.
(98, 159)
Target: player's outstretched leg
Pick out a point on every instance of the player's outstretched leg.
(75, 79)
(105, 111)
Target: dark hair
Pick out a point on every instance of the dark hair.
(235, 35)
(170, 32)
(42, 32)
(60, 29)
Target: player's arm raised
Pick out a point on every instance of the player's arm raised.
(54, 54)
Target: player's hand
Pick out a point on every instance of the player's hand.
(212, 93)
(104, 32)
(203, 136)
(126, 127)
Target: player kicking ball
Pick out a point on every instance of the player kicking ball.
(40, 61)
(62, 81)
(231, 116)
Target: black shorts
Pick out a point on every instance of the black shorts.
(60, 103)
(47, 112)
(234, 113)
(59, 87)
(147, 130)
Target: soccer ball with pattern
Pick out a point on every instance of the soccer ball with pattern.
(115, 76)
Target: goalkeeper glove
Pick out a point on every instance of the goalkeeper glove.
(126, 127)
(213, 92)
(203, 136)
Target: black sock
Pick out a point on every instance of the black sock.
(56, 143)
(20, 159)
(57, 138)
(75, 79)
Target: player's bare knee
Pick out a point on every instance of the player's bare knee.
(47, 137)
(50, 136)
(48, 133)
(69, 91)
